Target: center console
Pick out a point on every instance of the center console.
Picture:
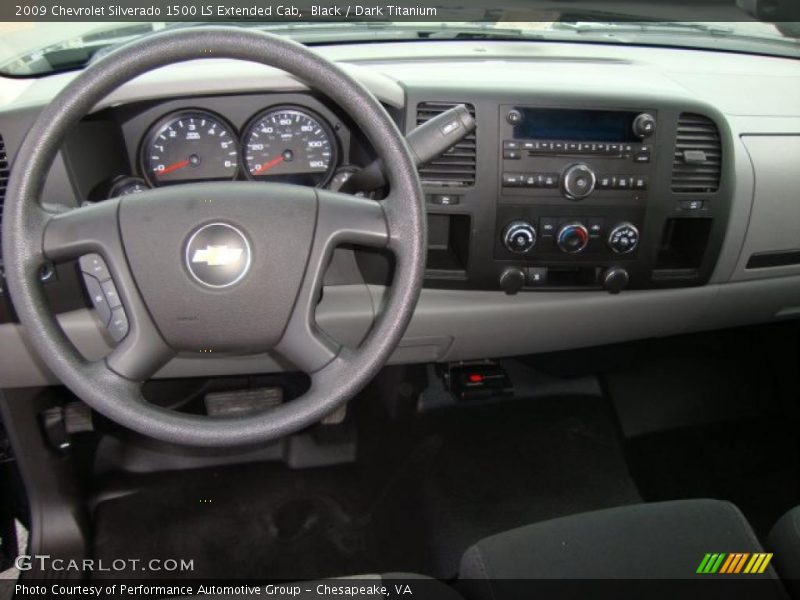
(573, 192)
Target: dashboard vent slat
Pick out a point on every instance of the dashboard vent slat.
(456, 167)
(696, 133)
(4, 174)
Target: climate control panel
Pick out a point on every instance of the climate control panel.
(531, 233)
(594, 248)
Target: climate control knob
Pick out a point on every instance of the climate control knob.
(519, 237)
(572, 238)
(623, 238)
(578, 182)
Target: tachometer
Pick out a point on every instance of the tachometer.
(289, 145)
(190, 146)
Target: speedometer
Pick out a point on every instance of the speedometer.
(190, 146)
(289, 145)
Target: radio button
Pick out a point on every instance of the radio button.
(623, 182)
(640, 183)
(643, 155)
(550, 180)
(559, 146)
(605, 182)
(573, 147)
(615, 149)
(512, 179)
(510, 145)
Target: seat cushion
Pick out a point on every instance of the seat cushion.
(784, 542)
(663, 540)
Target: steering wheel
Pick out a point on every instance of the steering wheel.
(232, 267)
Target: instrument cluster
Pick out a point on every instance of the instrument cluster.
(284, 143)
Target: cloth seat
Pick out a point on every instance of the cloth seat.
(784, 542)
(666, 540)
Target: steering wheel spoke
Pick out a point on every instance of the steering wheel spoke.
(343, 218)
(84, 230)
(93, 231)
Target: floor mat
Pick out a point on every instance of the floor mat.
(753, 463)
(419, 495)
(496, 468)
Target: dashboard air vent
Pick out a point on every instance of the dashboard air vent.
(3, 180)
(698, 155)
(456, 167)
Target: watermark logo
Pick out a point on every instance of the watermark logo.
(734, 563)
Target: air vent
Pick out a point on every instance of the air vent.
(3, 180)
(456, 167)
(698, 155)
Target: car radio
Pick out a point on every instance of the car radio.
(573, 188)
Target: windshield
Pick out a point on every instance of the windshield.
(31, 49)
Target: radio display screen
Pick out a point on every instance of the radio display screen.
(575, 125)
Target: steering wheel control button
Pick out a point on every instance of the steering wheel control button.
(623, 238)
(98, 298)
(217, 255)
(94, 265)
(578, 182)
(110, 293)
(519, 237)
(118, 325)
(572, 238)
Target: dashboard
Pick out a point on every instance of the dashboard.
(667, 175)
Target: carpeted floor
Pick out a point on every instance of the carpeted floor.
(418, 496)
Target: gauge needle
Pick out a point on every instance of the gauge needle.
(267, 165)
(173, 167)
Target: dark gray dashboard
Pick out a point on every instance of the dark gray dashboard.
(463, 313)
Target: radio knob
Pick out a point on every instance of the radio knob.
(623, 238)
(644, 125)
(519, 237)
(514, 117)
(572, 238)
(578, 182)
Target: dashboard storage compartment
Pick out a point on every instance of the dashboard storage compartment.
(683, 246)
(448, 246)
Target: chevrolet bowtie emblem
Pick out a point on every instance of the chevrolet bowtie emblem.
(217, 256)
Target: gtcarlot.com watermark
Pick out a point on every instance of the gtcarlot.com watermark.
(44, 562)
